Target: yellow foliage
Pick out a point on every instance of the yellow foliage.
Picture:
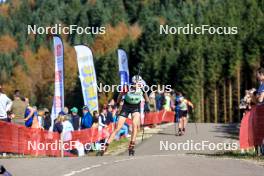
(162, 20)
(7, 44)
(135, 31)
(114, 35)
(4, 9)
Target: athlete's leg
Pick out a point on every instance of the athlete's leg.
(135, 121)
(185, 121)
(120, 123)
(180, 126)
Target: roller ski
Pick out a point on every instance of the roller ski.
(180, 133)
(131, 149)
(102, 152)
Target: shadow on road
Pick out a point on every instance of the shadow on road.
(230, 131)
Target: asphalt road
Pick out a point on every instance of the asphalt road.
(150, 160)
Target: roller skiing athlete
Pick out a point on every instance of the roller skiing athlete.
(131, 105)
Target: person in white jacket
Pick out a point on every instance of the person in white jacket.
(67, 129)
(5, 105)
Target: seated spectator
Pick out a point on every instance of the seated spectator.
(87, 119)
(124, 131)
(75, 118)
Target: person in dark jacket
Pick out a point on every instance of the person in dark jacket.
(109, 115)
(58, 123)
(75, 118)
(47, 119)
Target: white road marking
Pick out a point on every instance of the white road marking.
(95, 166)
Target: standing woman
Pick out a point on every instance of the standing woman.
(131, 105)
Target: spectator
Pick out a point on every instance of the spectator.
(30, 114)
(87, 119)
(158, 101)
(167, 101)
(75, 118)
(260, 91)
(95, 119)
(58, 123)
(10, 116)
(123, 131)
(102, 119)
(109, 115)
(66, 111)
(46, 119)
(37, 120)
(152, 102)
(5, 105)
(18, 108)
(67, 128)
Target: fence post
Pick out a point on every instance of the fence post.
(61, 144)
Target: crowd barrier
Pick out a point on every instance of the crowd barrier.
(252, 128)
(18, 139)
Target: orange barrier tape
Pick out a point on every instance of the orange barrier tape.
(16, 138)
(252, 128)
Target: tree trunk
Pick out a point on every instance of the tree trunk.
(207, 110)
(224, 102)
(230, 100)
(202, 105)
(238, 92)
(215, 106)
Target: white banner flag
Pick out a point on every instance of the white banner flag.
(87, 76)
(58, 100)
(123, 67)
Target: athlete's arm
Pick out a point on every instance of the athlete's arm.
(119, 98)
(146, 97)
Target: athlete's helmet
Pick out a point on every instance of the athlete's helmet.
(136, 79)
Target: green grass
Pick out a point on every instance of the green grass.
(117, 144)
